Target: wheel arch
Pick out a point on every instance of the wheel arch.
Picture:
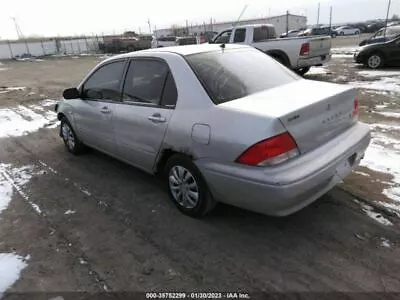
(280, 56)
(166, 154)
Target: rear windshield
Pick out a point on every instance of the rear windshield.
(232, 74)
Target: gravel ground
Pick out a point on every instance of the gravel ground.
(90, 223)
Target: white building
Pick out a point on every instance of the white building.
(294, 22)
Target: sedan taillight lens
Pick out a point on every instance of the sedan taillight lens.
(271, 151)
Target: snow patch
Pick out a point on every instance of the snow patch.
(6, 191)
(70, 212)
(344, 50)
(388, 114)
(48, 102)
(11, 266)
(377, 73)
(383, 84)
(22, 120)
(376, 216)
(361, 173)
(318, 71)
(385, 243)
(342, 55)
(381, 106)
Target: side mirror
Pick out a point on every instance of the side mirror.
(71, 93)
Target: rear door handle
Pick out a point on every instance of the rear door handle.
(105, 110)
(157, 118)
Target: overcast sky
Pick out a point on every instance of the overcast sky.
(70, 17)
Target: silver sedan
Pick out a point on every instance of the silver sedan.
(220, 123)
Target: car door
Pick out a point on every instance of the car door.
(392, 52)
(141, 120)
(94, 112)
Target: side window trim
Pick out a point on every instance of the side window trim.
(137, 103)
(121, 83)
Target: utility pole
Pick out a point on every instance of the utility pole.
(319, 8)
(287, 22)
(387, 17)
(330, 19)
(187, 27)
(148, 22)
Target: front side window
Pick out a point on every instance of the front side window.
(145, 81)
(223, 38)
(105, 83)
(240, 35)
(233, 74)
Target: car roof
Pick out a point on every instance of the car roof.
(182, 50)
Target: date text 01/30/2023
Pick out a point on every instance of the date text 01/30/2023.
(197, 295)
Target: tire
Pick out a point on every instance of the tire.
(71, 141)
(375, 61)
(357, 33)
(302, 71)
(182, 177)
(342, 33)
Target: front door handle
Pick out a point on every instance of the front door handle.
(157, 118)
(105, 110)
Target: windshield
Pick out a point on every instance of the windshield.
(233, 74)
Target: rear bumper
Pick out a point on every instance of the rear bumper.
(285, 189)
(313, 61)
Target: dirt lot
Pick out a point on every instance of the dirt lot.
(90, 223)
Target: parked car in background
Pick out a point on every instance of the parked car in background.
(188, 40)
(124, 43)
(290, 33)
(207, 36)
(381, 36)
(320, 30)
(374, 27)
(380, 54)
(170, 112)
(347, 30)
(166, 41)
(298, 54)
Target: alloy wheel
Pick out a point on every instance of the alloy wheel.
(374, 61)
(68, 136)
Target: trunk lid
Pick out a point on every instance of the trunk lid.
(320, 46)
(312, 112)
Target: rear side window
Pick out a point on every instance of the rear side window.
(105, 82)
(233, 74)
(170, 93)
(240, 35)
(145, 81)
(263, 33)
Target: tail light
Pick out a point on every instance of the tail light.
(271, 151)
(305, 49)
(356, 109)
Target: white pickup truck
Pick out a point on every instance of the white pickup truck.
(298, 53)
